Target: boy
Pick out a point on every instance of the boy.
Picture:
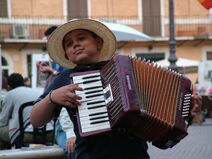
(84, 45)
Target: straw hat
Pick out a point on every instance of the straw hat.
(55, 41)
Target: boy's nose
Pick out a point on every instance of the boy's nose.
(76, 44)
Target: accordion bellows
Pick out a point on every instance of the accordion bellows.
(151, 102)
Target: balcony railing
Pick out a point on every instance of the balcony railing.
(33, 27)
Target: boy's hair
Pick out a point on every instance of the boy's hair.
(15, 80)
(50, 30)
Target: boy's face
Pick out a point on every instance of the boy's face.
(82, 47)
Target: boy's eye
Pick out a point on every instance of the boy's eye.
(81, 38)
(68, 44)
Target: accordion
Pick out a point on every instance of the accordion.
(151, 102)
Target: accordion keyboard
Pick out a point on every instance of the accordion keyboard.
(93, 113)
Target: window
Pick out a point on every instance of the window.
(151, 17)
(151, 56)
(3, 8)
(5, 67)
(77, 9)
(209, 55)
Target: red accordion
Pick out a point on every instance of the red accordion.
(149, 101)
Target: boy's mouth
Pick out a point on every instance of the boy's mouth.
(78, 51)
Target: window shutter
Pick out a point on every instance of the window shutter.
(151, 17)
(77, 9)
(3, 8)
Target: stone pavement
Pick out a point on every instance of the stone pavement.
(197, 145)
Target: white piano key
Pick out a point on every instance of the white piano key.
(101, 97)
(100, 126)
(186, 103)
(87, 119)
(88, 91)
(86, 124)
(89, 96)
(186, 106)
(94, 101)
(84, 105)
(188, 95)
(94, 109)
(90, 85)
(87, 112)
(186, 112)
(80, 77)
(78, 81)
(185, 115)
(84, 116)
(185, 109)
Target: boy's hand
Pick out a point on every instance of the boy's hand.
(66, 96)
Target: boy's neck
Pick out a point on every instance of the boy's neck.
(91, 67)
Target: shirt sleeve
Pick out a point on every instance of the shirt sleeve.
(7, 107)
(66, 123)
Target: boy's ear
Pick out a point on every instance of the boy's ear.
(99, 43)
(66, 56)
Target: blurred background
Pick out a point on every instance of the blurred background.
(23, 22)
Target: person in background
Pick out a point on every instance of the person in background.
(84, 45)
(27, 82)
(64, 134)
(17, 94)
(3, 90)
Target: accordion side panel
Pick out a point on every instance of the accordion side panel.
(176, 93)
(110, 77)
(126, 85)
(148, 120)
(185, 91)
(166, 96)
(159, 90)
(179, 124)
(161, 95)
(138, 78)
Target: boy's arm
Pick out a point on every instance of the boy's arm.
(42, 112)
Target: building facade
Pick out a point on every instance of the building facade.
(23, 22)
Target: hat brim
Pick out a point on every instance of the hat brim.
(55, 41)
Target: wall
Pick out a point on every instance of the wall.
(37, 8)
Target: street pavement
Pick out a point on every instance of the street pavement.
(197, 145)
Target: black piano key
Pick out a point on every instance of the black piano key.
(96, 102)
(95, 95)
(99, 117)
(94, 76)
(93, 92)
(99, 113)
(97, 122)
(94, 87)
(91, 81)
(98, 106)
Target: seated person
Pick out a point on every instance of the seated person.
(16, 96)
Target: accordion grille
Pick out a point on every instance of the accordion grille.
(156, 87)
